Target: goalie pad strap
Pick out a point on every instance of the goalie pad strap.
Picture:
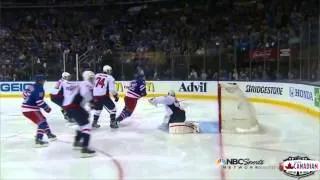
(183, 128)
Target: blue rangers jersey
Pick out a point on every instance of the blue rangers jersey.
(137, 88)
(33, 98)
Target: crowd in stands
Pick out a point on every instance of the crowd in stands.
(34, 39)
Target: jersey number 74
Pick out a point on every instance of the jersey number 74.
(100, 82)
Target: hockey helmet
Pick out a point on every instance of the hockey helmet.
(172, 93)
(107, 69)
(88, 76)
(65, 75)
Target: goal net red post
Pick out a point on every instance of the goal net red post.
(235, 112)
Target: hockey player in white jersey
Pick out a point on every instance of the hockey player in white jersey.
(57, 96)
(104, 86)
(76, 97)
(176, 115)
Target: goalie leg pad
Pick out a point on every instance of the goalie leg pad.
(183, 128)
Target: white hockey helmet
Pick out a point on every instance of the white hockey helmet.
(107, 69)
(88, 76)
(172, 93)
(65, 75)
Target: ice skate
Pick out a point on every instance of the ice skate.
(96, 125)
(77, 145)
(71, 120)
(114, 124)
(52, 137)
(40, 143)
(86, 152)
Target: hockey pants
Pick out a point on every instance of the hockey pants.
(178, 116)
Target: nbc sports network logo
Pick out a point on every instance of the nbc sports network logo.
(242, 163)
(299, 167)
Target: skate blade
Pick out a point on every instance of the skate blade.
(77, 148)
(41, 146)
(85, 155)
(71, 124)
(114, 127)
(52, 139)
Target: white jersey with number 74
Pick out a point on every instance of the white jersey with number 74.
(104, 84)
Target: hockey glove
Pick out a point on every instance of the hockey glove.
(47, 109)
(116, 97)
(151, 101)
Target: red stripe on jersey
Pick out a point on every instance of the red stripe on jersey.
(133, 94)
(71, 106)
(30, 107)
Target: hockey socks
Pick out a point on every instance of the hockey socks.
(112, 117)
(78, 136)
(41, 129)
(85, 134)
(86, 139)
(124, 114)
(47, 128)
(95, 119)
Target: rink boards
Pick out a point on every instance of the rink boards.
(305, 98)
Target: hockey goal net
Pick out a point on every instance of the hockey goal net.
(236, 112)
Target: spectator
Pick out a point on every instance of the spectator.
(193, 75)
(203, 75)
(235, 75)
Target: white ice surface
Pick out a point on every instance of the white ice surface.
(139, 150)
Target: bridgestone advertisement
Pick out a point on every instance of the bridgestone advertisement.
(264, 90)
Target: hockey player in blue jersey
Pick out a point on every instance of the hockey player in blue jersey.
(33, 102)
(136, 90)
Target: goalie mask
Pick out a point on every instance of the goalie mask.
(172, 93)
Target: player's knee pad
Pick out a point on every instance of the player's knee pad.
(183, 128)
(85, 128)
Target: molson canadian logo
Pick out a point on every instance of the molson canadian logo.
(121, 86)
(299, 167)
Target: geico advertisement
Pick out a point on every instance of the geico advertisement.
(123, 86)
(7, 87)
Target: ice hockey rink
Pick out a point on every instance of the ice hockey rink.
(140, 150)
